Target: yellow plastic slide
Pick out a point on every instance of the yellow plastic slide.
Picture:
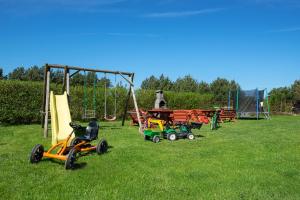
(60, 117)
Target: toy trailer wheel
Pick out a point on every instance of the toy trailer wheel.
(70, 162)
(171, 136)
(102, 147)
(156, 139)
(190, 136)
(36, 153)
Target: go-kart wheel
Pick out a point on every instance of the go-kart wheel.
(75, 141)
(36, 153)
(190, 136)
(171, 136)
(102, 147)
(156, 139)
(70, 162)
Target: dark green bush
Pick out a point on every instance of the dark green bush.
(21, 101)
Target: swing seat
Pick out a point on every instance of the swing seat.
(110, 119)
(89, 114)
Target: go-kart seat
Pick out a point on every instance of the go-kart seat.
(88, 133)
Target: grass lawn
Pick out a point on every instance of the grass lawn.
(247, 159)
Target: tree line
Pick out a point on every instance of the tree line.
(36, 73)
(218, 88)
(281, 99)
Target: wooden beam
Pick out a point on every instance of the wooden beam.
(127, 102)
(74, 73)
(137, 110)
(89, 69)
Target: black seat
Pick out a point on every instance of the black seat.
(92, 130)
(196, 125)
(86, 133)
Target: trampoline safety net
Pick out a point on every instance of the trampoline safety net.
(250, 103)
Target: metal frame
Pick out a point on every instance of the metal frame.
(127, 76)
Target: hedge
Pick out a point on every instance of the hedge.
(20, 101)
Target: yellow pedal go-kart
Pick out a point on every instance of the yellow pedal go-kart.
(67, 151)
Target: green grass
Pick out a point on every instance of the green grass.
(242, 160)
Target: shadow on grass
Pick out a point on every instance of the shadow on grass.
(250, 118)
(78, 165)
(110, 127)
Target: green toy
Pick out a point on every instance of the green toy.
(168, 132)
(214, 122)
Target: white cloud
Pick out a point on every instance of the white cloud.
(18, 7)
(119, 34)
(62, 2)
(183, 13)
(285, 30)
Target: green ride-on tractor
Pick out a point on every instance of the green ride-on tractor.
(168, 132)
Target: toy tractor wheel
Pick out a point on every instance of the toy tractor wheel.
(102, 147)
(190, 136)
(156, 139)
(146, 137)
(70, 162)
(37, 153)
(171, 136)
(75, 141)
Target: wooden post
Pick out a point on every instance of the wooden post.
(127, 102)
(136, 109)
(64, 80)
(44, 94)
(68, 82)
(47, 81)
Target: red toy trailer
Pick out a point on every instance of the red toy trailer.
(227, 115)
(134, 118)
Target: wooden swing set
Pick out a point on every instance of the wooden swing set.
(87, 113)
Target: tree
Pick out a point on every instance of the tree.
(220, 88)
(104, 81)
(165, 83)
(281, 99)
(18, 74)
(233, 86)
(34, 73)
(90, 78)
(57, 76)
(203, 87)
(186, 84)
(1, 74)
(151, 83)
(77, 79)
(296, 90)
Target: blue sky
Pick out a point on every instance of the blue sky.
(255, 42)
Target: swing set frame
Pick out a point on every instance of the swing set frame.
(127, 76)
